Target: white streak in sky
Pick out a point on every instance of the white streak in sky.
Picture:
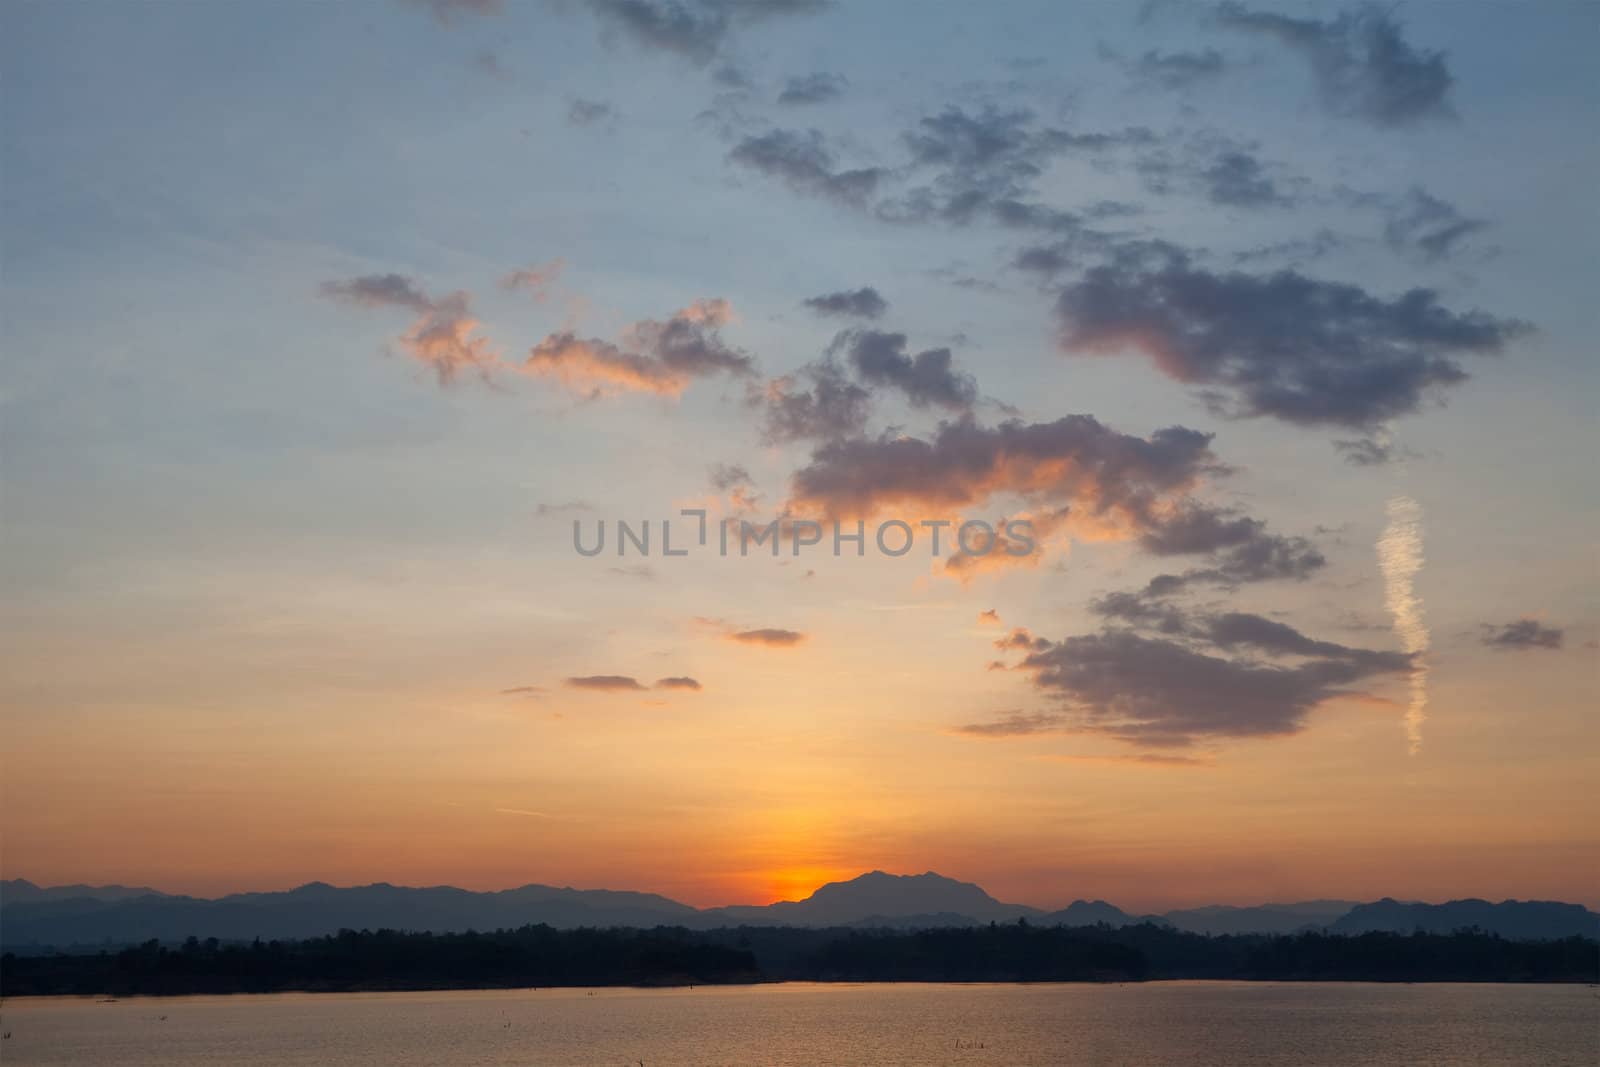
(1400, 558)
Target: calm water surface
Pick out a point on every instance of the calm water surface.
(1192, 1024)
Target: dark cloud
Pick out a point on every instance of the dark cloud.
(768, 637)
(524, 690)
(1108, 478)
(379, 290)
(802, 159)
(1284, 345)
(582, 112)
(1363, 66)
(1177, 71)
(1241, 548)
(863, 303)
(1233, 629)
(604, 683)
(1367, 451)
(1238, 179)
(1141, 611)
(1522, 635)
(1223, 170)
(1294, 251)
(928, 378)
(820, 402)
(693, 29)
(812, 89)
(1158, 691)
(680, 682)
(983, 162)
(1427, 227)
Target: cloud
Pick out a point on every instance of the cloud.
(1160, 692)
(441, 337)
(817, 403)
(640, 571)
(1223, 170)
(735, 481)
(864, 303)
(1372, 451)
(1240, 547)
(982, 162)
(604, 683)
(582, 112)
(1362, 65)
(1400, 559)
(768, 637)
(812, 89)
(1284, 345)
(682, 682)
(1177, 71)
(536, 279)
(1239, 179)
(990, 617)
(379, 290)
(695, 30)
(927, 379)
(1013, 724)
(1522, 635)
(1428, 228)
(725, 476)
(802, 159)
(1110, 479)
(1020, 639)
(653, 357)
(524, 690)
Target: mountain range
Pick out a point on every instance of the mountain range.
(34, 918)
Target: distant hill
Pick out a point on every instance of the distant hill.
(1262, 919)
(1095, 912)
(880, 895)
(34, 918)
(20, 890)
(1517, 919)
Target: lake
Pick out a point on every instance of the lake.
(1193, 1024)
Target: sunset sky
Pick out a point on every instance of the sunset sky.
(323, 324)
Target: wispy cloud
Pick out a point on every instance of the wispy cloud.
(1400, 559)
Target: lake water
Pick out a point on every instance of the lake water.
(1193, 1024)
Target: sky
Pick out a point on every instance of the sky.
(1268, 326)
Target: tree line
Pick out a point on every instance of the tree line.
(534, 956)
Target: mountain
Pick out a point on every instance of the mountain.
(1263, 919)
(1095, 912)
(32, 918)
(879, 895)
(19, 890)
(318, 908)
(1522, 920)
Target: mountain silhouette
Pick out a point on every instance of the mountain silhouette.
(1527, 920)
(34, 918)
